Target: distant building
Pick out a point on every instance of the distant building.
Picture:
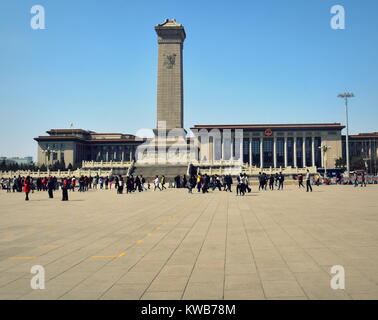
(365, 146)
(76, 145)
(24, 160)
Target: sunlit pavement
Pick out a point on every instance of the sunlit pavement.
(175, 245)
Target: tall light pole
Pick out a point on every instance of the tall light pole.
(345, 96)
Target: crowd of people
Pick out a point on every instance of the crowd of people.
(200, 182)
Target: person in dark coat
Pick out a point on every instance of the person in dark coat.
(65, 186)
(50, 187)
(281, 179)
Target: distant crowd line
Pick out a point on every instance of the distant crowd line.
(200, 182)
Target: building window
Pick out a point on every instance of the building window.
(256, 152)
(280, 145)
(54, 156)
(308, 152)
(268, 152)
(318, 153)
(290, 151)
(245, 150)
(299, 152)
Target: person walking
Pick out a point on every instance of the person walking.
(271, 182)
(261, 181)
(308, 181)
(355, 179)
(363, 179)
(281, 179)
(162, 182)
(120, 185)
(65, 186)
(300, 181)
(73, 183)
(50, 187)
(27, 188)
(143, 182)
(156, 183)
(199, 181)
(191, 184)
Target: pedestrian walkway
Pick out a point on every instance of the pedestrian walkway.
(175, 245)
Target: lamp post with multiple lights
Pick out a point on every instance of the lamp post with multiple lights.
(345, 96)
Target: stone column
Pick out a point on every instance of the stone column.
(322, 152)
(313, 150)
(214, 149)
(170, 89)
(274, 151)
(285, 151)
(222, 147)
(232, 146)
(261, 152)
(241, 147)
(250, 150)
(211, 147)
(304, 150)
(295, 151)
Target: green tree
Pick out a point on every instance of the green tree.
(3, 166)
(340, 163)
(62, 165)
(357, 163)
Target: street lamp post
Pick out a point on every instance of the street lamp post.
(345, 96)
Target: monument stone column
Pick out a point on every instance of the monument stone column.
(170, 97)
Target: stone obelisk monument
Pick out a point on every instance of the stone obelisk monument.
(170, 91)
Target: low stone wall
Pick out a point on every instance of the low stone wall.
(58, 174)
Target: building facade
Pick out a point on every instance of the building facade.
(274, 145)
(72, 146)
(18, 160)
(365, 146)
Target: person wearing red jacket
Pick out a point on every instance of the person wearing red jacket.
(65, 186)
(27, 188)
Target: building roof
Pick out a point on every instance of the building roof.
(292, 126)
(59, 138)
(369, 135)
(85, 136)
(62, 131)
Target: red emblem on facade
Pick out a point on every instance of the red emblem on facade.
(268, 132)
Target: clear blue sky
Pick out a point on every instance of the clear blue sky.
(265, 61)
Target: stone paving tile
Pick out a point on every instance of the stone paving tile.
(172, 245)
(168, 283)
(276, 289)
(275, 274)
(162, 295)
(203, 291)
(252, 293)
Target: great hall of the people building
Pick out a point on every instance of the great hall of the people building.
(285, 147)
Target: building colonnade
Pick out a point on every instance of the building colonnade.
(295, 149)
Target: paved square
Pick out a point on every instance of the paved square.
(173, 245)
